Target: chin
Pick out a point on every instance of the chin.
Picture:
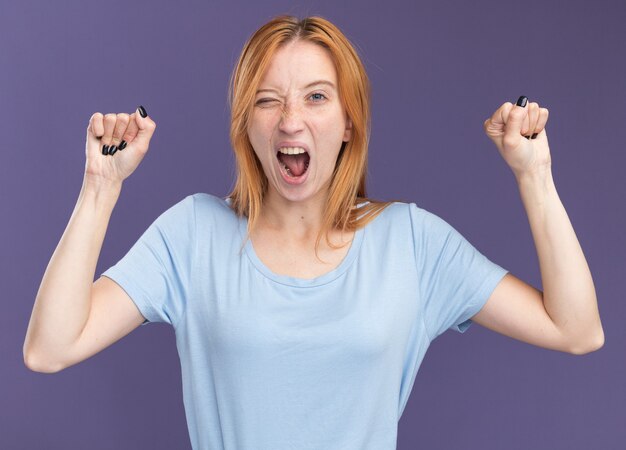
(299, 193)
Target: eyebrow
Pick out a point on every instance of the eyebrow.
(314, 83)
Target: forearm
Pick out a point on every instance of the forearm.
(63, 301)
(568, 291)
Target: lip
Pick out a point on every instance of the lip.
(284, 176)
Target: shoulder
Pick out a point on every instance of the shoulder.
(181, 210)
(209, 202)
(399, 213)
(176, 224)
(212, 208)
(411, 222)
(391, 212)
(424, 221)
(392, 223)
(195, 207)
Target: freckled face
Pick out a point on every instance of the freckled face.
(297, 106)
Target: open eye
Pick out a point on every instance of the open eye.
(317, 97)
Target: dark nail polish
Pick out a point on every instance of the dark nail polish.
(527, 137)
(122, 145)
(534, 136)
(142, 111)
(112, 150)
(522, 101)
(105, 149)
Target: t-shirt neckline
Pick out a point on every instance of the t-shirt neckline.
(325, 278)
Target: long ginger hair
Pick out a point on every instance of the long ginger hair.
(347, 189)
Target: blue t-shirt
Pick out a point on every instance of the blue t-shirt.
(272, 362)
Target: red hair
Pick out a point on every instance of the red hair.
(347, 189)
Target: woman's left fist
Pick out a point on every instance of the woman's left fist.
(519, 132)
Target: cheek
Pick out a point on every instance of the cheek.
(253, 131)
(261, 127)
(259, 134)
(331, 132)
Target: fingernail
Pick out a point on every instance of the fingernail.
(122, 145)
(527, 137)
(522, 101)
(105, 149)
(534, 135)
(112, 150)
(142, 111)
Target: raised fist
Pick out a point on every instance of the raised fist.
(507, 128)
(116, 144)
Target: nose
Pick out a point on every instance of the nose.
(291, 119)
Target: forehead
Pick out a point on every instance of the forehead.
(296, 64)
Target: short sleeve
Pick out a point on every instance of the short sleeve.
(156, 271)
(455, 279)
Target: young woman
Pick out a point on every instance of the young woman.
(303, 309)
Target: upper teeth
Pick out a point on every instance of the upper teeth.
(291, 150)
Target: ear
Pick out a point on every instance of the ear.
(348, 131)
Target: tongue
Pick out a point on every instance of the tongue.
(296, 163)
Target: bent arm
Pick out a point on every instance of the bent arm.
(564, 316)
(569, 294)
(63, 301)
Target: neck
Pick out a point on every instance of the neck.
(298, 220)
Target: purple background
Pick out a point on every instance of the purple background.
(438, 70)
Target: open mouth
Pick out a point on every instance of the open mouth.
(294, 161)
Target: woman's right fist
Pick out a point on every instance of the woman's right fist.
(116, 144)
